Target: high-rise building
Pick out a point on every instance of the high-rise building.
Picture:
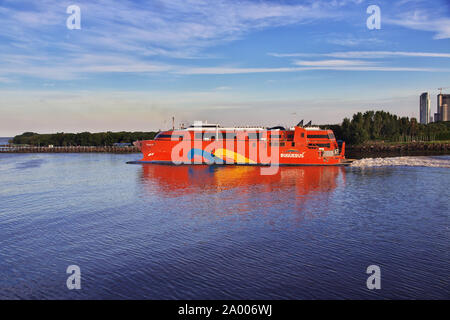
(425, 108)
(445, 110)
(443, 105)
(436, 117)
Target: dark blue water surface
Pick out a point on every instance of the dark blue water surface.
(180, 232)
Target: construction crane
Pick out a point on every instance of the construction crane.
(440, 89)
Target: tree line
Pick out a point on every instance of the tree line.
(81, 139)
(384, 126)
(363, 127)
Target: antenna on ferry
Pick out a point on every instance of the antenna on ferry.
(173, 123)
(300, 124)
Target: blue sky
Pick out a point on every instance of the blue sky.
(135, 64)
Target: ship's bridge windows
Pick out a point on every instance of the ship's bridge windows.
(168, 136)
(317, 136)
(163, 136)
(331, 136)
(158, 135)
(290, 136)
(275, 136)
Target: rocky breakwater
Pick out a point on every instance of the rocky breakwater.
(388, 149)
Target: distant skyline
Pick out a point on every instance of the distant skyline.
(135, 64)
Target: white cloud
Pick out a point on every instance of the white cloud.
(152, 27)
(124, 36)
(423, 20)
(364, 54)
(222, 88)
(6, 80)
(38, 43)
(332, 63)
(356, 67)
(231, 70)
(383, 54)
(349, 40)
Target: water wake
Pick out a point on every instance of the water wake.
(402, 161)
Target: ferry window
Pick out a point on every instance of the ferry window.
(209, 135)
(293, 144)
(317, 136)
(253, 135)
(159, 136)
(274, 144)
(198, 136)
(290, 136)
(275, 136)
(230, 135)
(303, 135)
(282, 144)
(331, 136)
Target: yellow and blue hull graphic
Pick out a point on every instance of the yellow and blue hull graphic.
(220, 156)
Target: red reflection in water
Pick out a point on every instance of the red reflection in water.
(302, 191)
(176, 180)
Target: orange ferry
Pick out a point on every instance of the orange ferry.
(203, 143)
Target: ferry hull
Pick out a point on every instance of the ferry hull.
(214, 145)
(248, 153)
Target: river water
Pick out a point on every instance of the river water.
(183, 232)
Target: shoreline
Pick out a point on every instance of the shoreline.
(73, 149)
(375, 150)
